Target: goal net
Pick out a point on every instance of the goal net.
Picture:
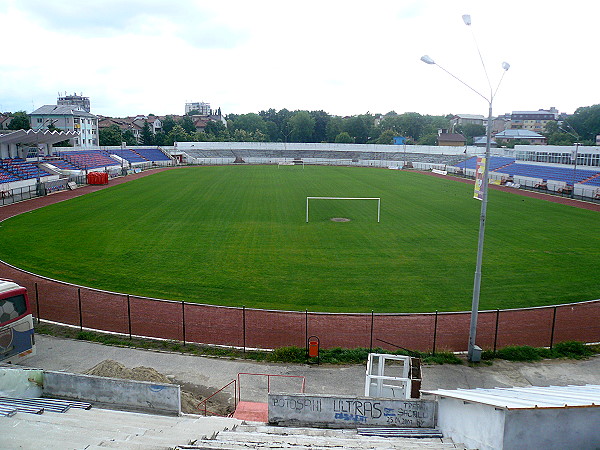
(377, 199)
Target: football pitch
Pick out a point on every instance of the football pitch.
(237, 235)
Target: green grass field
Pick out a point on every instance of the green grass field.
(237, 236)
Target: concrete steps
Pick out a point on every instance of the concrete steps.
(99, 428)
(258, 436)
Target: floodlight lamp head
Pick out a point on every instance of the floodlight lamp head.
(467, 19)
(427, 59)
(505, 65)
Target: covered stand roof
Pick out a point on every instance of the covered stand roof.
(36, 137)
(527, 397)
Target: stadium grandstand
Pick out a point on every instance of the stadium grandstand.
(551, 168)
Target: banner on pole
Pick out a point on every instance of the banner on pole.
(481, 162)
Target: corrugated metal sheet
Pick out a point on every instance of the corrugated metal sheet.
(39, 405)
(527, 397)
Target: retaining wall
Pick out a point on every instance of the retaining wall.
(127, 394)
(254, 328)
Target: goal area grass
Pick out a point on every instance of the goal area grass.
(237, 235)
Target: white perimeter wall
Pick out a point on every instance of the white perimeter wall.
(429, 149)
(486, 428)
(475, 425)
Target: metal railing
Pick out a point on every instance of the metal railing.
(205, 401)
(269, 376)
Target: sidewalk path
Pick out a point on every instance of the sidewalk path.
(78, 356)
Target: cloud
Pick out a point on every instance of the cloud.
(194, 24)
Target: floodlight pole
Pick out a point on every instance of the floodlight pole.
(474, 352)
(577, 144)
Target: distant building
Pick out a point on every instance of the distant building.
(467, 119)
(74, 100)
(500, 123)
(202, 108)
(520, 135)
(67, 118)
(5, 120)
(450, 139)
(533, 120)
(135, 124)
(481, 141)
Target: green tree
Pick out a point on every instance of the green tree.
(128, 137)
(111, 135)
(428, 139)
(358, 127)
(187, 123)
(19, 121)
(216, 131)
(249, 122)
(334, 128)
(344, 138)
(556, 136)
(321, 121)
(586, 122)
(147, 137)
(160, 138)
(168, 124)
(387, 137)
(302, 126)
(200, 136)
(471, 130)
(178, 134)
(273, 132)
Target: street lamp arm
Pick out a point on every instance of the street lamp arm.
(462, 82)
(501, 78)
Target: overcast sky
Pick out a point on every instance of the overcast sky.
(344, 57)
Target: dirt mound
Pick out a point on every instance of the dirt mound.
(191, 395)
(114, 369)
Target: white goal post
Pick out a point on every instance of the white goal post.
(345, 198)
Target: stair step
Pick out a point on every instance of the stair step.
(249, 439)
(401, 432)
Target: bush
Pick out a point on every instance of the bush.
(572, 349)
(523, 353)
(442, 358)
(288, 355)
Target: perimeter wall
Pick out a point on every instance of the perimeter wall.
(254, 328)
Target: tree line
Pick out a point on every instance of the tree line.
(319, 126)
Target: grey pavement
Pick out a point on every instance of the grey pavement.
(78, 356)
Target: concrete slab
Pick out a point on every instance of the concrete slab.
(106, 428)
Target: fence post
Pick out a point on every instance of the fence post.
(183, 320)
(244, 326)
(435, 331)
(496, 332)
(37, 302)
(371, 341)
(129, 315)
(80, 316)
(306, 332)
(552, 333)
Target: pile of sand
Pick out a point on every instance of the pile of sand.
(114, 369)
(190, 400)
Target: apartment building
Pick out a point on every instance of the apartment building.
(67, 118)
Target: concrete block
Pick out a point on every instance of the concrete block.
(126, 394)
(330, 411)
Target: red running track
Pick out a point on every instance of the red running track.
(252, 328)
